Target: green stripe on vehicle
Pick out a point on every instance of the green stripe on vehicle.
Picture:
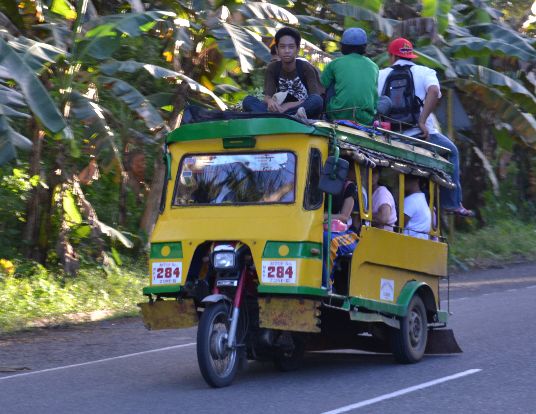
(171, 250)
(377, 306)
(292, 250)
(157, 290)
(292, 290)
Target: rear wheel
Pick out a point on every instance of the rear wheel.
(409, 342)
(218, 364)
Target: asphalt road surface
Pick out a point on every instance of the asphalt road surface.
(119, 367)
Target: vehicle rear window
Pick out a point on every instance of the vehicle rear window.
(245, 178)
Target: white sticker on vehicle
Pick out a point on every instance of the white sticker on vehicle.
(279, 271)
(387, 290)
(166, 273)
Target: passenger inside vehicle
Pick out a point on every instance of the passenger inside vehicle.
(344, 236)
(417, 216)
(383, 204)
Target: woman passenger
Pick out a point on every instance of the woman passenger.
(344, 232)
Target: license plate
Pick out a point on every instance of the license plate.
(166, 273)
(279, 271)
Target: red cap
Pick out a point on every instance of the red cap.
(402, 47)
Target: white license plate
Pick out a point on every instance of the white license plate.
(166, 273)
(279, 271)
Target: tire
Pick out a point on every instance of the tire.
(409, 342)
(218, 364)
(290, 361)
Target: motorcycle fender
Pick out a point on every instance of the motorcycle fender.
(218, 297)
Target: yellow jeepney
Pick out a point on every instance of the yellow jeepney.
(238, 246)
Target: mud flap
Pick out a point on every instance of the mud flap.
(442, 341)
(289, 314)
(169, 314)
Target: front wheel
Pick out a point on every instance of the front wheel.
(218, 364)
(409, 342)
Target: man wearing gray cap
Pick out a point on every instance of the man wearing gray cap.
(354, 78)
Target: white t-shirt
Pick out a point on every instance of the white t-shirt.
(423, 78)
(382, 196)
(420, 219)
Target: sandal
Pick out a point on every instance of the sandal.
(461, 211)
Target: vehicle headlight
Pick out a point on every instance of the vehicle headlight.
(224, 260)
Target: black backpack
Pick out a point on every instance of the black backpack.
(405, 105)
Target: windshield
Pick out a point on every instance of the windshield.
(256, 178)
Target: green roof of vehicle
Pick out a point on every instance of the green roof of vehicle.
(251, 127)
(234, 128)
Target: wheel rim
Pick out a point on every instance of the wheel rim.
(222, 358)
(416, 329)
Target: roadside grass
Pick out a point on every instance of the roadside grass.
(31, 295)
(507, 241)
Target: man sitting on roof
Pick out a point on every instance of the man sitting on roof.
(353, 78)
(416, 107)
(291, 85)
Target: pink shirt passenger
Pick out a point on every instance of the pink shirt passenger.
(382, 196)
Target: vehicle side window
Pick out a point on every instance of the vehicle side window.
(313, 196)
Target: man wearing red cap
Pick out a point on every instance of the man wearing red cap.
(427, 93)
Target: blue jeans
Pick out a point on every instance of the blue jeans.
(450, 199)
(312, 105)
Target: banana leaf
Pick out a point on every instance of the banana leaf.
(63, 8)
(36, 96)
(489, 170)
(135, 101)
(385, 26)
(35, 54)
(482, 96)
(131, 66)
(510, 87)
(268, 11)
(505, 34)
(10, 139)
(372, 5)
(432, 57)
(104, 34)
(439, 10)
(476, 47)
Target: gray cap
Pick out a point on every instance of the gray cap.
(354, 37)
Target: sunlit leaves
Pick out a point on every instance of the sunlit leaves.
(158, 72)
(269, 11)
(63, 8)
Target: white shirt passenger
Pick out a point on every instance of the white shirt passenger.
(420, 219)
(423, 78)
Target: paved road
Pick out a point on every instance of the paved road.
(494, 321)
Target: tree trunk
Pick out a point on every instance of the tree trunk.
(30, 234)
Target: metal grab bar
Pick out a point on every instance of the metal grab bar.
(420, 141)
